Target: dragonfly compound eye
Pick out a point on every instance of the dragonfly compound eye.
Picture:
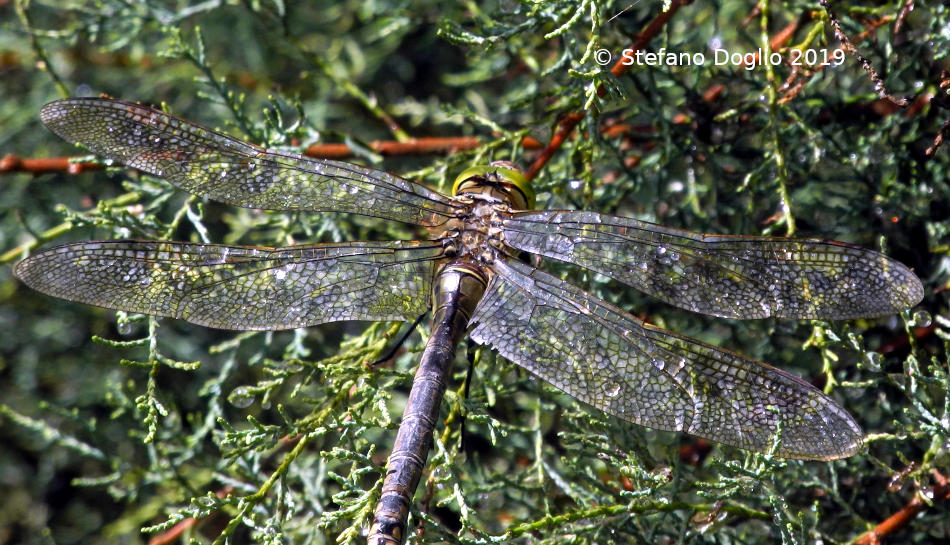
(499, 174)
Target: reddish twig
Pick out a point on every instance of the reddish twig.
(941, 102)
(695, 453)
(756, 11)
(12, 163)
(777, 41)
(567, 123)
(416, 146)
(938, 140)
(940, 492)
(907, 8)
(287, 442)
(177, 530)
(903, 340)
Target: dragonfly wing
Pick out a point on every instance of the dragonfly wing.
(603, 356)
(728, 276)
(213, 165)
(241, 287)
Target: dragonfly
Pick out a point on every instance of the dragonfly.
(470, 272)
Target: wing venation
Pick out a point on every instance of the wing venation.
(730, 276)
(603, 356)
(213, 165)
(241, 287)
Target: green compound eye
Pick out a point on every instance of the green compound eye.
(497, 174)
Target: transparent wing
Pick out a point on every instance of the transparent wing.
(216, 166)
(240, 287)
(603, 356)
(728, 276)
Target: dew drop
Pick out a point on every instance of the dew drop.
(921, 318)
(241, 397)
(873, 361)
(124, 327)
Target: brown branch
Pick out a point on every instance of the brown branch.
(938, 140)
(865, 64)
(907, 8)
(13, 163)
(797, 80)
(416, 146)
(939, 492)
(567, 123)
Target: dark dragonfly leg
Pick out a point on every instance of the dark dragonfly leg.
(458, 288)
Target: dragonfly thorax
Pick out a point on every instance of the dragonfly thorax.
(476, 234)
(484, 194)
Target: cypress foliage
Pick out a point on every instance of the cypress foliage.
(119, 428)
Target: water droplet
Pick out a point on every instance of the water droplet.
(873, 361)
(241, 397)
(921, 318)
(124, 327)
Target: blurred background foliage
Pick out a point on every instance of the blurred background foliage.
(109, 427)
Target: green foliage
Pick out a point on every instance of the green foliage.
(282, 437)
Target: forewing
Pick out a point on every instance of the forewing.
(240, 287)
(729, 276)
(216, 166)
(603, 356)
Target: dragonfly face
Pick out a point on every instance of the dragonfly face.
(587, 347)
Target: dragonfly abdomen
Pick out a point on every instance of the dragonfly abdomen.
(458, 288)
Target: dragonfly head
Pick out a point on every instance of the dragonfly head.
(500, 179)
